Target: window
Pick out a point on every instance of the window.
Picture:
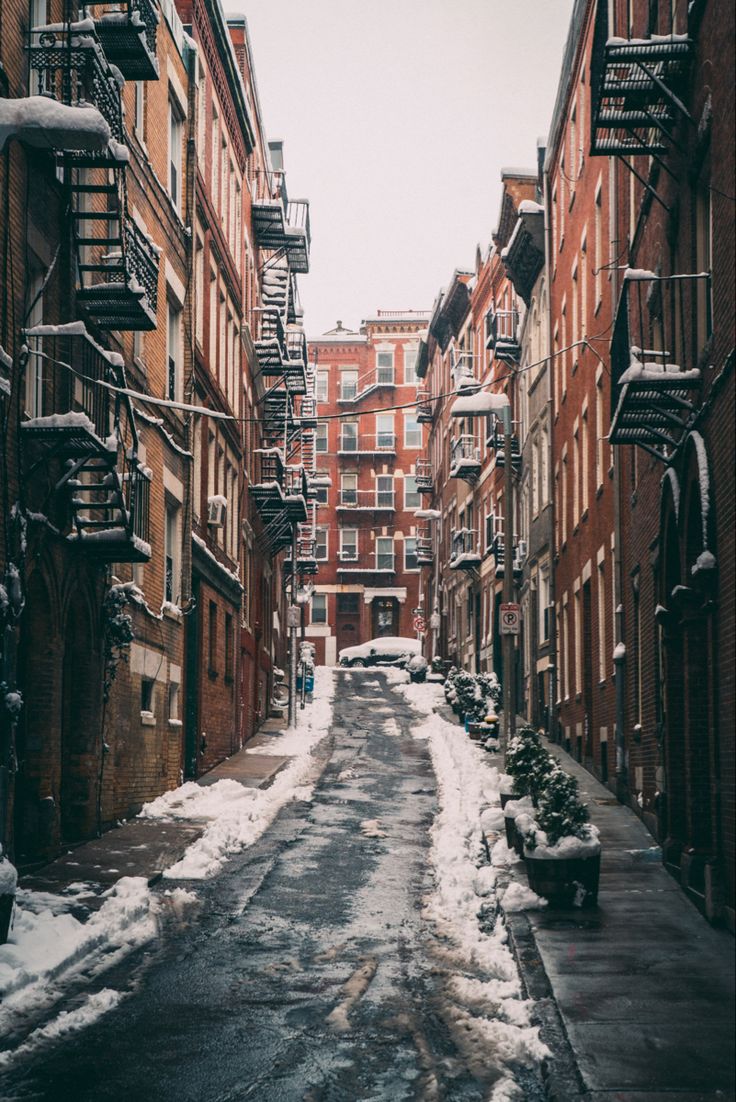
(598, 231)
(543, 607)
(320, 544)
(229, 651)
(385, 491)
(410, 357)
(175, 137)
(703, 260)
(412, 431)
(213, 317)
(147, 698)
(584, 461)
(349, 544)
(410, 553)
(319, 608)
(199, 291)
(599, 432)
(321, 497)
(171, 553)
(34, 368)
(215, 166)
(320, 440)
(385, 367)
(349, 437)
(197, 471)
(601, 616)
(139, 110)
(348, 384)
(412, 499)
(384, 430)
(349, 489)
(578, 624)
(173, 337)
(384, 553)
(321, 386)
(212, 640)
(174, 701)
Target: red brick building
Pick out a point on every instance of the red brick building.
(583, 253)
(671, 419)
(367, 444)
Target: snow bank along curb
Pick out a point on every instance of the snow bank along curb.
(238, 816)
(489, 1016)
(49, 948)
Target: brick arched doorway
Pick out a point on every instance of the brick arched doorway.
(81, 719)
(36, 826)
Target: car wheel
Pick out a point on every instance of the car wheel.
(357, 662)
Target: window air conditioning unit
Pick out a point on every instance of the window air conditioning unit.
(216, 511)
(521, 550)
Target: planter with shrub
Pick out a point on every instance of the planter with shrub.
(561, 848)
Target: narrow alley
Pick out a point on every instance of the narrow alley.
(307, 969)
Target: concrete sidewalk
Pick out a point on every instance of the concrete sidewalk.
(145, 847)
(642, 986)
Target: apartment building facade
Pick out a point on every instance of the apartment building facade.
(143, 330)
(671, 419)
(368, 441)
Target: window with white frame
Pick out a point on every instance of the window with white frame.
(410, 553)
(384, 553)
(412, 431)
(385, 491)
(321, 386)
(412, 498)
(601, 617)
(171, 551)
(349, 489)
(173, 351)
(199, 290)
(348, 383)
(599, 431)
(348, 436)
(139, 110)
(319, 608)
(584, 444)
(321, 544)
(175, 154)
(349, 544)
(543, 606)
(410, 358)
(385, 366)
(320, 439)
(384, 430)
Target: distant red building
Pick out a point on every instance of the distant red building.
(368, 442)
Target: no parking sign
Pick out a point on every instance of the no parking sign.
(510, 619)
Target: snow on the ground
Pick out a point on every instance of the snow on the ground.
(48, 947)
(66, 1022)
(238, 816)
(488, 1017)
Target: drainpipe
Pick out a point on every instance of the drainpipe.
(622, 782)
(554, 666)
(509, 672)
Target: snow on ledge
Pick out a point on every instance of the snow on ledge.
(479, 404)
(41, 122)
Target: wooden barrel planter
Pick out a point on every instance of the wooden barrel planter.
(567, 881)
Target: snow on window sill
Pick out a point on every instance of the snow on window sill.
(148, 719)
(175, 723)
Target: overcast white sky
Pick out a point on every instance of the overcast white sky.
(397, 118)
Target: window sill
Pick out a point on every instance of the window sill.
(148, 719)
(175, 723)
(584, 515)
(599, 491)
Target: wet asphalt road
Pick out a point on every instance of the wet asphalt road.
(306, 973)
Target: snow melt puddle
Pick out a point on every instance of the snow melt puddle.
(238, 816)
(487, 1016)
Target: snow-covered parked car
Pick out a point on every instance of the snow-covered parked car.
(389, 650)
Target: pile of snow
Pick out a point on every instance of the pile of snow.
(42, 122)
(238, 816)
(489, 1019)
(48, 947)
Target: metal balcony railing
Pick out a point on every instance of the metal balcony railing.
(423, 476)
(464, 458)
(425, 407)
(127, 34)
(502, 334)
(464, 378)
(661, 328)
(638, 84)
(368, 445)
(464, 553)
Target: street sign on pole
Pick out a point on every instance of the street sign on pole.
(510, 618)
